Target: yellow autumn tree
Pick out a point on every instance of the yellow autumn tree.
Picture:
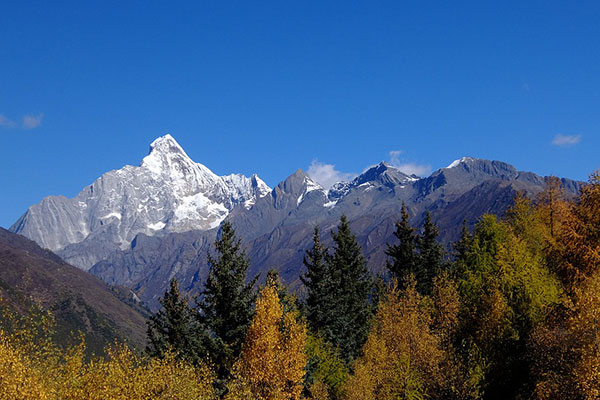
(273, 360)
(18, 378)
(566, 348)
(578, 245)
(124, 376)
(33, 367)
(567, 352)
(405, 357)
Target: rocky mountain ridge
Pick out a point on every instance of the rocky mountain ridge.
(170, 210)
(168, 192)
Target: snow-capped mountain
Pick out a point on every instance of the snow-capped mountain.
(140, 226)
(168, 192)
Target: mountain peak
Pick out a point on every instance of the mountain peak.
(383, 172)
(479, 167)
(166, 155)
(166, 144)
(461, 160)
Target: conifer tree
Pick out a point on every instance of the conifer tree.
(462, 246)
(318, 284)
(173, 328)
(226, 306)
(403, 255)
(347, 326)
(431, 256)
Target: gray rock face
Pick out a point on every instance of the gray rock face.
(141, 226)
(168, 192)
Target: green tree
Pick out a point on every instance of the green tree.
(430, 259)
(348, 327)
(173, 328)
(461, 247)
(419, 255)
(403, 257)
(324, 368)
(318, 282)
(506, 290)
(226, 307)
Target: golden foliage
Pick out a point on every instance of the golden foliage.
(578, 245)
(319, 391)
(18, 380)
(567, 354)
(403, 356)
(566, 348)
(272, 363)
(409, 353)
(122, 376)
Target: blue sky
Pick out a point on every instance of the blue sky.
(269, 87)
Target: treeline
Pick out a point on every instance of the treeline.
(511, 312)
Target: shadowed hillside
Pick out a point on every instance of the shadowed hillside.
(78, 300)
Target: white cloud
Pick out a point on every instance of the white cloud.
(408, 167)
(416, 169)
(395, 157)
(326, 174)
(566, 140)
(31, 121)
(5, 122)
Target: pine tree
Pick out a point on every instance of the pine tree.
(226, 306)
(347, 323)
(173, 328)
(318, 284)
(403, 255)
(430, 258)
(462, 246)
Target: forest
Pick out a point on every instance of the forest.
(510, 311)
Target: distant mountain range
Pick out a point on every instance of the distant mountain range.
(140, 226)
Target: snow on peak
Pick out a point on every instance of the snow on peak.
(262, 188)
(166, 143)
(456, 163)
(167, 192)
(310, 186)
(164, 153)
(168, 161)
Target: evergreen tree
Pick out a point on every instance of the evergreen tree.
(403, 255)
(173, 328)
(462, 246)
(430, 258)
(347, 326)
(318, 284)
(226, 306)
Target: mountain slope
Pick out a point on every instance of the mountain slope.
(78, 300)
